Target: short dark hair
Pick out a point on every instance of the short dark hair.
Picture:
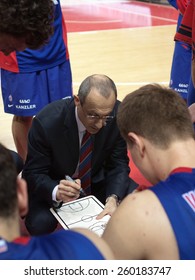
(31, 19)
(8, 180)
(156, 113)
(102, 83)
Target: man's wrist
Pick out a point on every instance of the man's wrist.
(115, 197)
(57, 204)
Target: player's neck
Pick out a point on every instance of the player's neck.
(182, 154)
(9, 229)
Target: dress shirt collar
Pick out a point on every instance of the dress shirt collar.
(81, 127)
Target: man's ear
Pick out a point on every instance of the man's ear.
(76, 100)
(22, 196)
(137, 142)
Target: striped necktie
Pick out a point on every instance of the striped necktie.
(85, 162)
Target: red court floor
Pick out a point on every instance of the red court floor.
(95, 15)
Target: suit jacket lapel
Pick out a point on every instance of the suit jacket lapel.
(71, 137)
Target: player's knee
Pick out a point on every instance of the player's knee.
(39, 225)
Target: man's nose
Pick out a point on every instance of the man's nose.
(100, 123)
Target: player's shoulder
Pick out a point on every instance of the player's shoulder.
(145, 200)
(140, 196)
(57, 107)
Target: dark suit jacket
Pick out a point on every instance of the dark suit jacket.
(17, 160)
(53, 152)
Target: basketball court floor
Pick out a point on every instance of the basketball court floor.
(130, 41)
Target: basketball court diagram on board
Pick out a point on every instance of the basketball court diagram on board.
(82, 213)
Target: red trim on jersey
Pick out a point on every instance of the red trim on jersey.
(142, 188)
(186, 31)
(22, 240)
(181, 169)
(176, 170)
(9, 62)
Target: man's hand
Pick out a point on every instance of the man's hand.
(68, 190)
(110, 207)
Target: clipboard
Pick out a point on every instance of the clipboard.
(82, 213)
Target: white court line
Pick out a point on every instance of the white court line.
(93, 21)
(80, 2)
(130, 83)
(67, 3)
(141, 14)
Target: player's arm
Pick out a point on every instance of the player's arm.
(124, 229)
(139, 229)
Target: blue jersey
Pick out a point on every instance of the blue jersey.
(177, 196)
(61, 245)
(173, 3)
(51, 55)
(181, 62)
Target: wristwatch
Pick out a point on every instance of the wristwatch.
(115, 197)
